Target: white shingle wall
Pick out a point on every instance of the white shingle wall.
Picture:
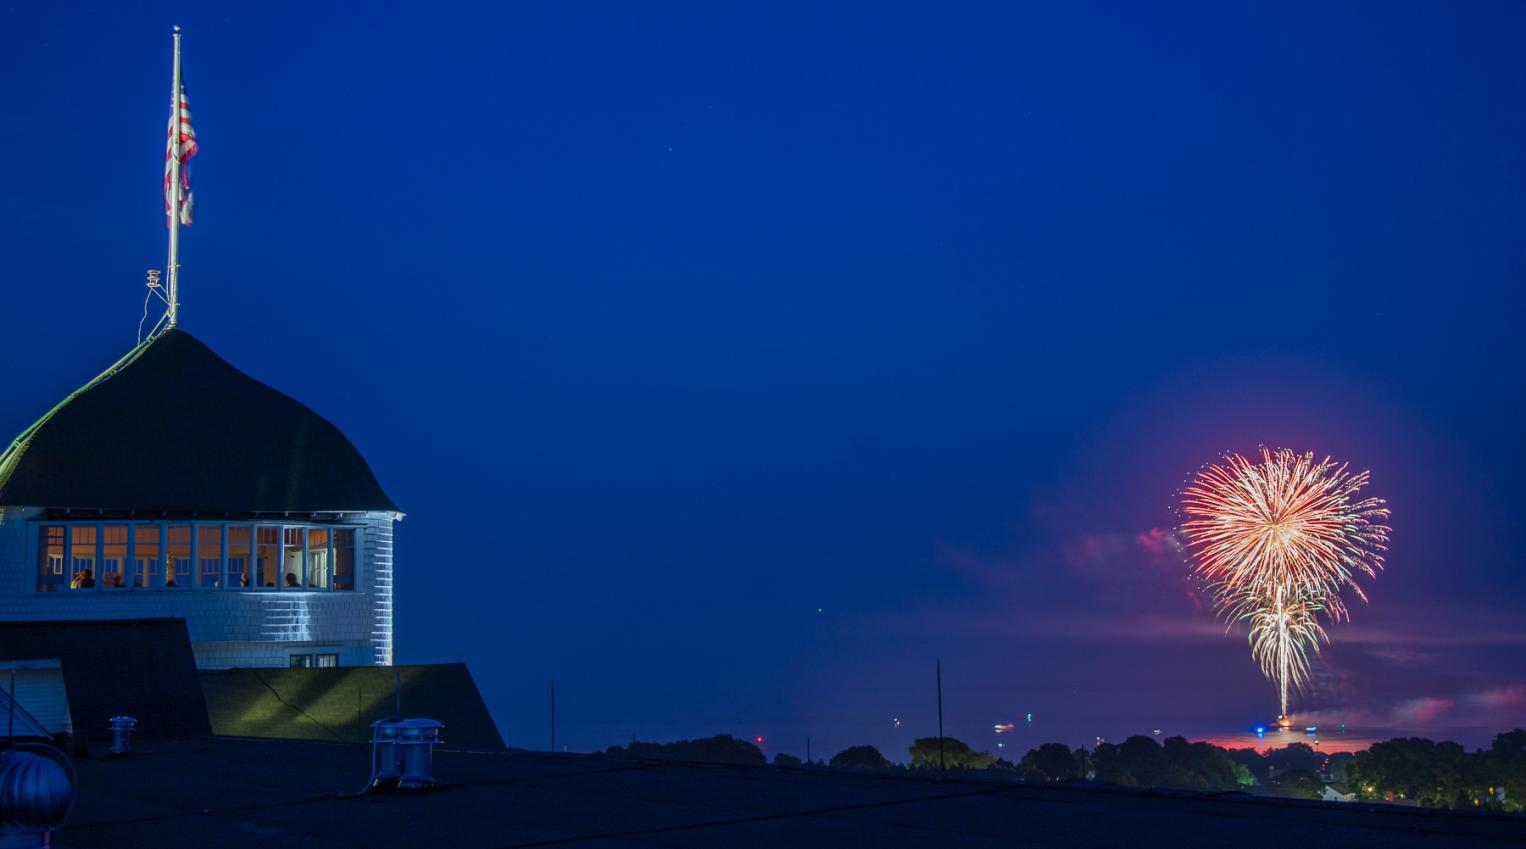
(227, 628)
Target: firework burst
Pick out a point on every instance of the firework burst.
(1276, 542)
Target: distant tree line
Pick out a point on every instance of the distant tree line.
(1410, 770)
(720, 749)
(1443, 775)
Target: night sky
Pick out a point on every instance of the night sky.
(734, 364)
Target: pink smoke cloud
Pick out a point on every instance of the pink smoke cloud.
(1422, 711)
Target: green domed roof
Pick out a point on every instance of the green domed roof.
(174, 427)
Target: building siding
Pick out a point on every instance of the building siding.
(227, 628)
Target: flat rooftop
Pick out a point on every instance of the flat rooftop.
(232, 793)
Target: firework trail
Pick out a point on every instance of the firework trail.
(1277, 541)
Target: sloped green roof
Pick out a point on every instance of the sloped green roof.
(339, 704)
(174, 427)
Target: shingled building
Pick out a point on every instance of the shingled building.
(175, 485)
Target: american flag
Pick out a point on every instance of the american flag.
(185, 141)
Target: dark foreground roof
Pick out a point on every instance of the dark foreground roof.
(234, 794)
(340, 704)
(177, 428)
(139, 667)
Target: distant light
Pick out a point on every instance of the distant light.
(1030, 717)
(760, 741)
(1260, 729)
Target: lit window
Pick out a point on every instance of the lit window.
(301, 661)
(113, 556)
(209, 555)
(292, 571)
(147, 566)
(50, 558)
(344, 559)
(178, 557)
(238, 557)
(318, 559)
(82, 557)
(267, 556)
(186, 555)
(326, 661)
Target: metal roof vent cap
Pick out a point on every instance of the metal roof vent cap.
(35, 797)
(416, 742)
(385, 760)
(121, 728)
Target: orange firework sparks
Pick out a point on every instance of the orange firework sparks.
(1277, 541)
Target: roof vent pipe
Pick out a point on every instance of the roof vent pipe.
(385, 768)
(416, 739)
(121, 728)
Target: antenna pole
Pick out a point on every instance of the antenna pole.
(942, 765)
(173, 189)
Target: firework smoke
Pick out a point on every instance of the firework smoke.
(1277, 541)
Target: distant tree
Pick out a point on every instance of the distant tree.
(1298, 784)
(1433, 774)
(1106, 766)
(720, 749)
(1199, 766)
(1296, 756)
(1051, 762)
(859, 757)
(1144, 760)
(1504, 769)
(781, 759)
(1335, 765)
(1398, 768)
(1253, 762)
(956, 754)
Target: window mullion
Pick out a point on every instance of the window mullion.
(100, 557)
(161, 581)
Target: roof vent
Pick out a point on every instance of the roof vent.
(385, 768)
(121, 728)
(36, 794)
(402, 753)
(416, 739)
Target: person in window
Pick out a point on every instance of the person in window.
(291, 579)
(83, 581)
(243, 580)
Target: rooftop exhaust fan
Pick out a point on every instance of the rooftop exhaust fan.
(402, 753)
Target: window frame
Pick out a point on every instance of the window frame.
(158, 570)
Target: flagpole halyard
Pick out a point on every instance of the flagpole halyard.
(172, 191)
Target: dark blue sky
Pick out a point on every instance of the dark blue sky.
(734, 363)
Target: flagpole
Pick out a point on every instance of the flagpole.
(174, 188)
